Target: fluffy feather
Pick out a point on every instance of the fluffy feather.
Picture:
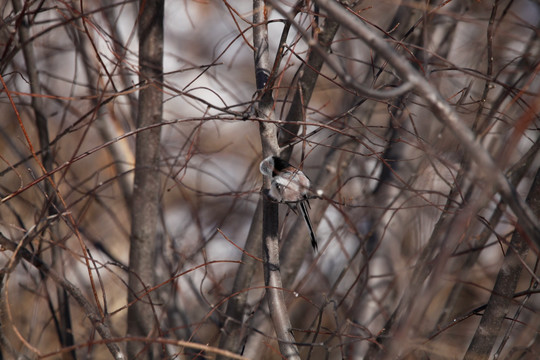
(289, 185)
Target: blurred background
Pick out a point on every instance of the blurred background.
(411, 241)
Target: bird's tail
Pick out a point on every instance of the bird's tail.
(305, 214)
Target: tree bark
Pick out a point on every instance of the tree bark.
(146, 188)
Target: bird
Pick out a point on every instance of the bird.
(289, 185)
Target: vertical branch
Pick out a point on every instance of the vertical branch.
(233, 338)
(306, 85)
(481, 124)
(272, 275)
(263, 67)
(145, 199)
(309, 74)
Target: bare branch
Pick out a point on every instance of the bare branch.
(270, 238)
(146, 188)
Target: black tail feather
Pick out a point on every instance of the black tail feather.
(305, 214)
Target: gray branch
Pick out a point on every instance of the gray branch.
(270, 239)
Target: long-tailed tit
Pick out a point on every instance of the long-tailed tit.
(288, 185)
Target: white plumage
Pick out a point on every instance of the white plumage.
(289, 185)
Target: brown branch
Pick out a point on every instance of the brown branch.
(306, 84)
(180, 343)
(146, 188)
(481, 124)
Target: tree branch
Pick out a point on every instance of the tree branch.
(268, 132)
(146, 188)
